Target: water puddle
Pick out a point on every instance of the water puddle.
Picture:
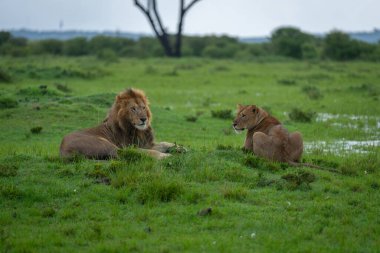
(340, 146)
(367, 124)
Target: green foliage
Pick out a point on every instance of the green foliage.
(291, 42)
(131, 154)
(222, 114)
(298, 180)
(299, 115)
(6, 102)
(312, 92)
(76, 47)
(339, 46)
(234, 193)
(191, 118)
(8, 170)
(5, 77)
(285, 42)
(4, 37)
(36, 130)
(48, 46)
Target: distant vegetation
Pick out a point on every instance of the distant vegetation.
(285, 42)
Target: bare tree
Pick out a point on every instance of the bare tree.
(151, 12)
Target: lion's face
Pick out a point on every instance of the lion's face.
(247, 117)
(133, 107)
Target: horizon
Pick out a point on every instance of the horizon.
(242, 18)
(375, 29)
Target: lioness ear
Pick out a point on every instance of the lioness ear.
(240, 106)
(254, 110)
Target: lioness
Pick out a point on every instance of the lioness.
(266, 136)
(127, 123)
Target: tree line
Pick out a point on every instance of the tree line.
(285, 42)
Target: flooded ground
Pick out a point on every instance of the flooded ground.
(368, 124)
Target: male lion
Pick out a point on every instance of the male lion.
(266, 136)
(127, 123)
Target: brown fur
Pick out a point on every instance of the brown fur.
(266, 136)
(127, 123)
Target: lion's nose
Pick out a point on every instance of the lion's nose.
(143, 119)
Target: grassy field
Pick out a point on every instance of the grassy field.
(135, 204)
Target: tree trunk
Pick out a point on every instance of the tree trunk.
(160, 31)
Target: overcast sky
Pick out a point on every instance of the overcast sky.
(233, 17)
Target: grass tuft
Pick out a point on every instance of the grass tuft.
(222, 114)
(63, 87)
(8, 170)
(191, 118)
(5, 77)
(10, 191)
(298, 181)
(298, 115)
(36, 130)
(159, 189)
(48, 212)
(237, 193)
(287, 82)
(312, 92)
(7, 103)
(132, 155)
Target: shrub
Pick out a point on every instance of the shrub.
(36, 130)
(339, 46)
(108, 55)
(5, 77)
(301, 116)
(222, 114)
(49, 46)
(62, 87)
(76, 47)
(8, 170)
(300, 180)
(290, 41)
(6, 103)
(312, 92)
(287, 81)
(191, 118)
(10, 191)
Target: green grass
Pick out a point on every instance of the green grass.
(137, 204)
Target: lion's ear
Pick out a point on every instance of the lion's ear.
(254, 109)
(240, 106)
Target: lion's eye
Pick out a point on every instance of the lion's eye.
(143, 107)
(243, 115)
(134, 109)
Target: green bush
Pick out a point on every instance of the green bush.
(298, 115)
(76, 47)
(291, 42)
(6, 103)
(339, 46)
(222, 114)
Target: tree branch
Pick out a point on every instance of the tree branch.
(162, 37)
(146, 12)
(190, 5)
(158, 18)
(139, 5)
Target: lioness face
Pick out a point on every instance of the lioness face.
(247, 117)
(138, 114)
